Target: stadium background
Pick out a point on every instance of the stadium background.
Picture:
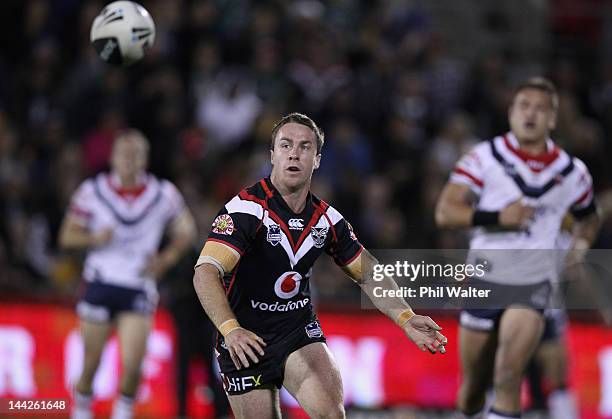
(402, 88)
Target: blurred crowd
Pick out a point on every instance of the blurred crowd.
(401, 88)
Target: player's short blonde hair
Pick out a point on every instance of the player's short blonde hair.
(540, 83)
(301, 119)
(127, 133)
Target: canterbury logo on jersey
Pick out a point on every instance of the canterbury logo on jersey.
(296, 224)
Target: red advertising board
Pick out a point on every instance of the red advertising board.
(41, 355)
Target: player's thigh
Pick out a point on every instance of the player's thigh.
(313, 378)
(477, 354)
(133, 330)
(262, 403)
(94, 335)
(520, 329)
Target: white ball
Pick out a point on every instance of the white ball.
(122, 32)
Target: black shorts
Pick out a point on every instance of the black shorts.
(486, 317)
(269, 372)
(102, 302)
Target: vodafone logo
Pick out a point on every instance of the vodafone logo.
(288, 285)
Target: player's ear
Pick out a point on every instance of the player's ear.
(317, 161)
(272, 156)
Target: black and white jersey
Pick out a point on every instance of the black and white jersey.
(499, 172)
(268, 290)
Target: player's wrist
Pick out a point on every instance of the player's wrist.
(404, 317)
(485, 218)
(228, 326)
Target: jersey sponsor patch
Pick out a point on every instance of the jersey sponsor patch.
(313, 330)
(223, 224)
(288, 285)
(274, 234)
(319, 234)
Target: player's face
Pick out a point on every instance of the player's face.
(294, 156)
(532, 115)
(129, 156)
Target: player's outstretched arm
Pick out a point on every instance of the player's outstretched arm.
(421, 330)
(242, 344)
(455, 209)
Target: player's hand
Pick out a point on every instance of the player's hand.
(156, 267)
(516, 215)
(424, 332)
(102, 237)
(243, 345)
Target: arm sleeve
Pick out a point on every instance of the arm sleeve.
(583, 201)
(345, 246)
(234, 229)
(80, 208)
(174, 199)
(469, 170)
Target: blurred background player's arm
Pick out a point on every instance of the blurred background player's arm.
(456, 209)
(74, 235)
(182, 232)
(421, 330)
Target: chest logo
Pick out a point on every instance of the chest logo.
(274, 234)
(319, 234)
(296, 224)
(288, 285)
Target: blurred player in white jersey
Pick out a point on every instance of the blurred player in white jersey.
(120, 218)
(515, 189)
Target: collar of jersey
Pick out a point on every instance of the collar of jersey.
(273, 193)
(545, 158)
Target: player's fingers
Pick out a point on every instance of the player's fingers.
(249, 352)
(234, 359)
(430, 347)
(257, 345)
(260, 340)
(429, 322)
(441, 338)
(442, 349)
(242, 357)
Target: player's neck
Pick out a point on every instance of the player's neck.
(295, 198)
(129, 181)
(535, 147)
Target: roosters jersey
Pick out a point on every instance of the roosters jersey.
(553, 183)
(268, 290)
(138, 219)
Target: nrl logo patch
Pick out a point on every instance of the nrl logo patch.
(274, 234)
(319, 234)
(313, 330)
(223, 224)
